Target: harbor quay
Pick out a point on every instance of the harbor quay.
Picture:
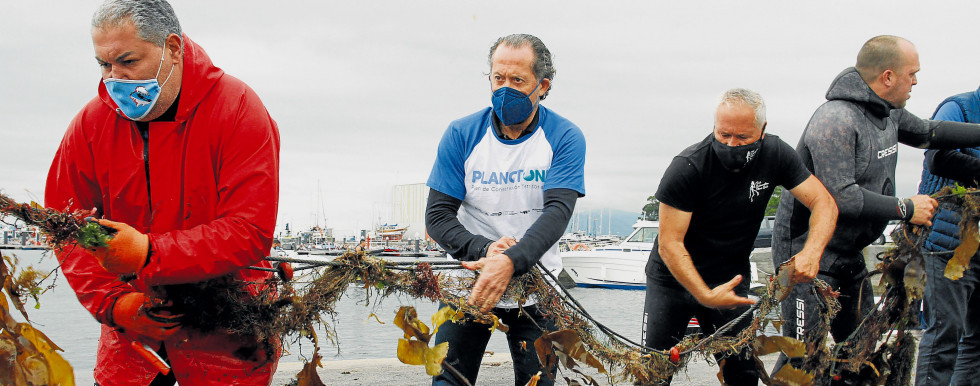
(496, 369)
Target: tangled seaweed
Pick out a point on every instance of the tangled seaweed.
(292, 308)
(61, 228)
(880, 350)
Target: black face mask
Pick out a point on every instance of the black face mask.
(736, 158)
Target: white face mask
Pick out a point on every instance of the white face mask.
(136, 98)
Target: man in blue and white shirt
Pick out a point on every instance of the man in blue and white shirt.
(503, 188)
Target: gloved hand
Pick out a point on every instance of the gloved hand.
(127, 251)
(130, 314)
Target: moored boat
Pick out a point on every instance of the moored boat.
(619, 266)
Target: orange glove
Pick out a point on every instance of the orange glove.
(127, 251)
(129, 314)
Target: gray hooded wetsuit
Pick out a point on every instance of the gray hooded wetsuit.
(851, 145)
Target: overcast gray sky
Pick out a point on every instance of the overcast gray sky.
(362, 90)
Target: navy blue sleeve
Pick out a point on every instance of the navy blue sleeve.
(444, 227)
(559, 204)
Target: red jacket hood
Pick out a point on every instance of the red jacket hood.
(199, 77)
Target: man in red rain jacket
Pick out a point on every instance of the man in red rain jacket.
(185, 160)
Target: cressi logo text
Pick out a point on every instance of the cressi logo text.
(887, 152)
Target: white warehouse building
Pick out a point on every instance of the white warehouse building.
(408, 208)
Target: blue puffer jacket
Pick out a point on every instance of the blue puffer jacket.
(945, 228)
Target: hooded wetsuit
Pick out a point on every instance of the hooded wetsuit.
(851, 145)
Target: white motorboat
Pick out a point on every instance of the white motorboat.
(619, 266)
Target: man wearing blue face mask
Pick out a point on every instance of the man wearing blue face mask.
(713, 197)
(503, 188)
(185, 159)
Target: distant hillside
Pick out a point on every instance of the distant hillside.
(620, 223)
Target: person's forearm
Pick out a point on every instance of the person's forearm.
(444, 227)
(823, 220)
(678, 261)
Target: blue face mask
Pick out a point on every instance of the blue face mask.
(136, 98)
(511, 105)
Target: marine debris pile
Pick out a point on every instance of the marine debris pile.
(881, 350)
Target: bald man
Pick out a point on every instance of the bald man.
(851, 145)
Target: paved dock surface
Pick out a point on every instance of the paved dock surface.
(496, 370)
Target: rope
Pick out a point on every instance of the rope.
(581, 310)
(564, 294)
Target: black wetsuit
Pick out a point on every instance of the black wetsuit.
(726, 209)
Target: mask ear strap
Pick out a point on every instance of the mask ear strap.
(168, 76)
(171, 67)
(535, 89)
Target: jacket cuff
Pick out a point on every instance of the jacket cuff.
(522, 263)
(486, 248)
(110, 314)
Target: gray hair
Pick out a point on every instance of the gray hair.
(746, 97)
(154, 19)
(878, 54)
(543, 67)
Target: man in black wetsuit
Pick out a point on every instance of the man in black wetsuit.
(851, 145)
(713, 197)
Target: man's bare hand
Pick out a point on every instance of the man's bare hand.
(806, 268)
(924, 207)
(723, 296)
(501, 245)
(495, 275)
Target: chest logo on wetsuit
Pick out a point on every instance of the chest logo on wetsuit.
(755, 187)
(887, 152)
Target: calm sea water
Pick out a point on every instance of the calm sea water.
(359, 335)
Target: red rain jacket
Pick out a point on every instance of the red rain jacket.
(210, 211)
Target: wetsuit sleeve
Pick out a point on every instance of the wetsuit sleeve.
(545, 231)
(444, 227)
(930, 134)
(830, 137)
(677, 185)
(952, 163)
